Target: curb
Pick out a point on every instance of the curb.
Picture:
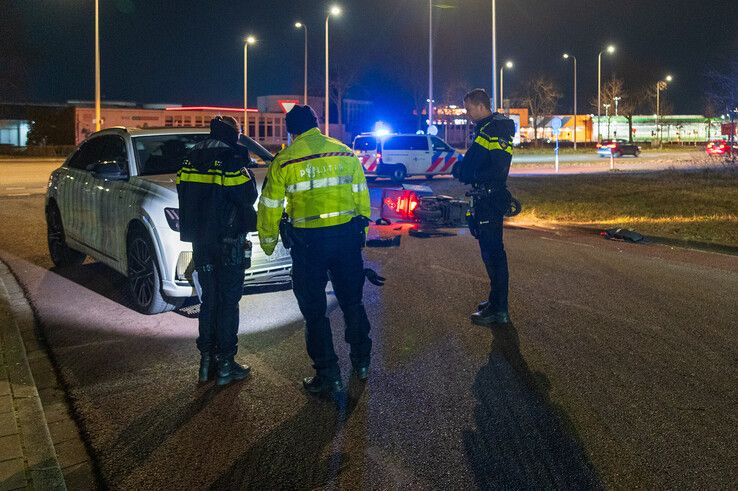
(42, 465)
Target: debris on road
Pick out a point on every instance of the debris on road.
(624, 234)
(426, 234)
(380, 242)
(373, 277)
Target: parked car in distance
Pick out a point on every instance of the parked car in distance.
(721, 147)
(617, 148)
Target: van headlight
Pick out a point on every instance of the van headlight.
(172, 215)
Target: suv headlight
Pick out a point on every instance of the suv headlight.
(172, 215)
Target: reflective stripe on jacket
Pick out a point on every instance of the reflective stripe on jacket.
(210, 183)
(322, 181)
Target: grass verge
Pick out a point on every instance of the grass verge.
(700, 205)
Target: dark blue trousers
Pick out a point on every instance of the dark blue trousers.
(222, 287)
(331, 253)
(495, 260)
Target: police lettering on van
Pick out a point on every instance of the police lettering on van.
(403, 155)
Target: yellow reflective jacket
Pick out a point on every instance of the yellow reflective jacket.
(323, 182)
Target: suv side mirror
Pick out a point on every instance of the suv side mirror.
(109, 170)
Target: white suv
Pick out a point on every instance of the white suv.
(115, 199)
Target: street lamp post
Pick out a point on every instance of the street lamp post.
(610, 49)
(617, 101)
(335, 11)
(97, 65)
(566, 57)
(494, 55)
(660, 85)
(305, 75)
(430, 64)
(247, 40)
(508, 65)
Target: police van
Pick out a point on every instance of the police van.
(398, 156)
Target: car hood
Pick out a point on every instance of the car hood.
(166, 183)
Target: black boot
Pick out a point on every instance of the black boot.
(361, 371)
(482, 305)
(489, 317)
(319, 385)
(229, 370)
(208, 366)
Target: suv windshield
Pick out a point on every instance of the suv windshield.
(163, 154)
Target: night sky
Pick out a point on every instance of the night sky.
(152, 52)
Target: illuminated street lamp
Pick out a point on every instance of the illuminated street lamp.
(660, 85)
(246, 42)
(566, 57)
(334, 11)
(610, 50)
(300, 25)
(617, 101)
(97, 65)
(508, 65)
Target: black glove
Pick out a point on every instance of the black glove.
(373, 277)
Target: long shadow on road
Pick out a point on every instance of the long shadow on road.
(522, 438)
(296, 454)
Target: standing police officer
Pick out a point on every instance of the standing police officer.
(328, 208)
(486, 166)
(216, 210)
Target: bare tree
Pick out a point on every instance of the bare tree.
(345, 78)
(723, 87)
(540, 95)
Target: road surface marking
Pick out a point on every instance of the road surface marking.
(19, 194)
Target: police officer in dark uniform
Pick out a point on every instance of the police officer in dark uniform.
(486, 166)
(216, 210)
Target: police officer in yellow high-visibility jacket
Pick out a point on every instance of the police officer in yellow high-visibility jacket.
(327, 195)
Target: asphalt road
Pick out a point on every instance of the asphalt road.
(619, 371)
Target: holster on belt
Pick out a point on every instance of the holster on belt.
(287, 232)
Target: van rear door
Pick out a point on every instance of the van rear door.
(366, 148)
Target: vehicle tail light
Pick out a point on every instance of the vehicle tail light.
(599, 145)
(172, 215)
(612, 145)
(399, 204)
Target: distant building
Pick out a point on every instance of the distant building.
(70, 123)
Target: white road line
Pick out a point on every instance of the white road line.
(19, 194)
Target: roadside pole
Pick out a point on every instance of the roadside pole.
(556, 127)
(612, 161)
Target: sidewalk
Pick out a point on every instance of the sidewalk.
(40, 445)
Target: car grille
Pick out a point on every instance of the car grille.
(185, 268)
